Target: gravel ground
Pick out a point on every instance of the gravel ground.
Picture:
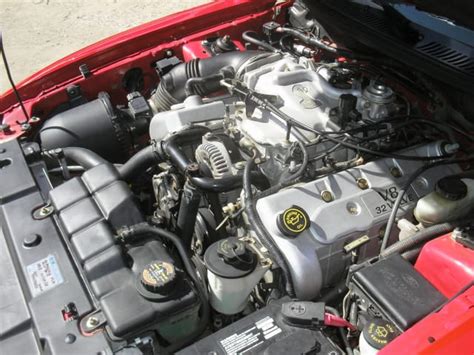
(39, 32)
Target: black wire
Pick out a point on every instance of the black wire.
(342, 331)
(285, 47)
(438, 126)
(267, 105)
(413, 119)
(297, 175)
(10, 79)
(249, 36)
(260, 229)
(313, 41)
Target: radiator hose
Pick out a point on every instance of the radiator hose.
(170, 149)
(418, 238)
(138, 163)
(84, 157)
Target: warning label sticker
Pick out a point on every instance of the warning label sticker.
(242, 342)
(44, 275)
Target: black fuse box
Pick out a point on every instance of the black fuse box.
(392, 288)
(264, 332)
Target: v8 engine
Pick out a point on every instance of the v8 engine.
(296, 94)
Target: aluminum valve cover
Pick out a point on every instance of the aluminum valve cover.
(362, 199)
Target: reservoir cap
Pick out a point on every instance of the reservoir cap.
(452, 188)
(230, 258)
(379, 332)
(158, 277)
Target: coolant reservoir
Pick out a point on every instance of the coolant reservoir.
(452, 199)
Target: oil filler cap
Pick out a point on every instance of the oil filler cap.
(293, 221)
(158, 277)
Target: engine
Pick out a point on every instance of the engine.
(363, 193)
(262, 180)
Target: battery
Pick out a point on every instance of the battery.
(264, 332)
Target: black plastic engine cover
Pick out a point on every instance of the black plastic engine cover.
(31, 317)
(90, 209)
(71, 256)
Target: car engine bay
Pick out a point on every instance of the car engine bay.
(274, 194)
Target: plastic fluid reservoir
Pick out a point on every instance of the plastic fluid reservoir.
(233, 271)
(376, 334)
(452, 199)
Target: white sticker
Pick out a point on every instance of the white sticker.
(250, 338)
(44, 275)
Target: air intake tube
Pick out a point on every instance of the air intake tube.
(171, 89)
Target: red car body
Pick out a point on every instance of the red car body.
(110, 58)
(449, 331)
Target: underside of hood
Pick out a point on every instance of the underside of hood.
(417, 34)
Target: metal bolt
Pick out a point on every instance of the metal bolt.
(456, 233)
(327, 196)
(192, 169)
(362, 183)
(5, 128)
(44, 211)
(395, 172)
(352, 210)
(25, 127)
(240, 165)
(451, 148)
(265, 262)
(381, 233)
(92, 322)
(422, 183)
(34, 119)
